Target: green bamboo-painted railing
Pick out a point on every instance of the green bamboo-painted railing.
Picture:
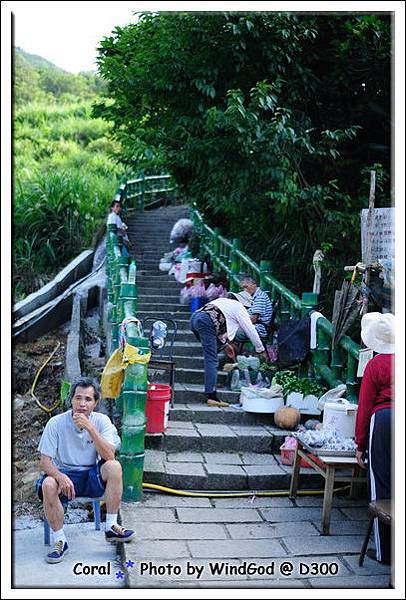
(121, 274)
(327, 365)
(136, 193)
(122, 296)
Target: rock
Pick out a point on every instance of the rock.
(76, 515)
(26, 522)
(31, 474)
(19, 401)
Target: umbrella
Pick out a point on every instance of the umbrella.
(345, 311)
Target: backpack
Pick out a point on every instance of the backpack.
(293, 341)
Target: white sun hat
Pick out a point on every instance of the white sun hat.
(378, 332)
(244, 297)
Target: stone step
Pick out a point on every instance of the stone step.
(183, 324)
(163, 307)
(155, 248)
(194, 393)
(148, 264)
(152, 255)
(144, 282)
(201, 413)
(186, 336)
(188, 362)
(195, 470)
(154, 296)
(160, 278)
(185, 376)
(184, 436)
(195, 376)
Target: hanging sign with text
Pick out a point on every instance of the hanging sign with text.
(382, 231)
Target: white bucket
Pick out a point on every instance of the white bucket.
(341, 416)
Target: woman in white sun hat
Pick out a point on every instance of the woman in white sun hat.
(374, 417)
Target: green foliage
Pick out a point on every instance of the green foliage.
(292, 383)
(38, 80)
(65, 176)
(269, 121)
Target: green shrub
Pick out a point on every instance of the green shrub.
(65, 177)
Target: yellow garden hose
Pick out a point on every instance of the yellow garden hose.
(42, 367)
(213, 494)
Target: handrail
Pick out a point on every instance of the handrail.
(147, 185)
(329, 365)
(122, 295)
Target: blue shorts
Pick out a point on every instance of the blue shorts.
(87, 483)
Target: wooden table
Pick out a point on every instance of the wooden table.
(328, 470)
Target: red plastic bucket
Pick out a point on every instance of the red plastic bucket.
(157, 407)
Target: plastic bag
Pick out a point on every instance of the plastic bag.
(132, 355)
(197, 290)
(184, 296)
(112, 376)
(332, 395)
(253, 391)
(182, 229)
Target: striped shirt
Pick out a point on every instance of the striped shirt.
(261, 306)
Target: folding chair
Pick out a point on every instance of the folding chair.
(162, 358)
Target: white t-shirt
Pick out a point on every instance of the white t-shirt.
(237, 316)
(114, 219)
(71, 448)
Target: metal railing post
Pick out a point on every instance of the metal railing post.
(233, 265)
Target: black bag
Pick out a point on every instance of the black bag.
(293, 341)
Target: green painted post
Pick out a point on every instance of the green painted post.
(114, 328)
(134, 396)
(216, 247)
(321, 356)
(142, 192)
(351, 379)
(134, 422)
(233, 264)
(309, 303)
(264, 270)
(336, 362)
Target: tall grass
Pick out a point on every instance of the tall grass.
(65, 175)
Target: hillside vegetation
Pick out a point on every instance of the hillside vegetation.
(65, 172)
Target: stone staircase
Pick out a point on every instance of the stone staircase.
(204, 448)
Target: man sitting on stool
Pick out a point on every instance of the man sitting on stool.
(78, 459)
(260, 310)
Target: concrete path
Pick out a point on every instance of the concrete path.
(86, 546)
(200, 542)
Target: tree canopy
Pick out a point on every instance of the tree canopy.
(269, 121)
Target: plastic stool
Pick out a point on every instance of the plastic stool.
(83, 500)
